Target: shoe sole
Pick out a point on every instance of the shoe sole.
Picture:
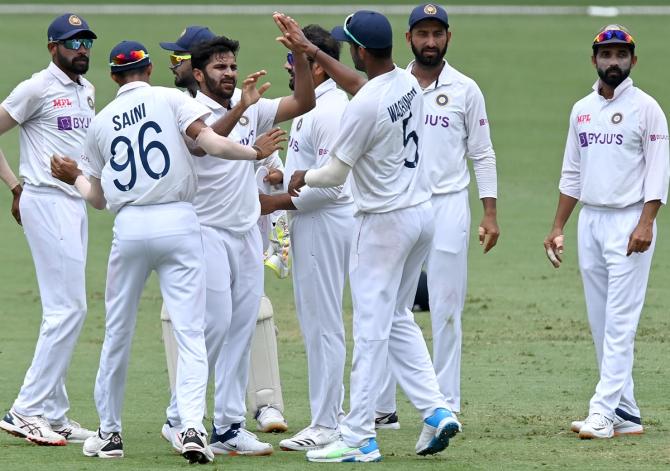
(273, 428)
(590, 436)
(110, 455)
(617, 433)
(369, 458)
(441, 442)
(17, 432)
(242, 453)
(393, 426)
(198, 455)
(300, 448)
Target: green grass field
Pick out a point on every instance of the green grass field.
(528, 361)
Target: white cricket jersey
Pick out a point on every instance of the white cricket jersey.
(617, 151)
(227, 196)
(380, 138)
(455, 125)
(136, 146)
(312, 137)
(54, 114)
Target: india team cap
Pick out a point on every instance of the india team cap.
(128, 55)
(68, 26)
(428, 11)
(614, 34)
(189, 38)
(366, 28)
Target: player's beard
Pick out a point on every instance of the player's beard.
(613, 76)
(77, 65)
(185, 81)
(216, 88)
(429, 61)
(291, 81)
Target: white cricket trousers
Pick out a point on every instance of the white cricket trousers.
(387, 252)
(320, 245)
(56, 229)
(614, 288)
(165, 238)
(447, 272)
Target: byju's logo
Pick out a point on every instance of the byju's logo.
(64, 123)
(590, 138)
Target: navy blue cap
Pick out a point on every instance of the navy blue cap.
(68, 26)
(128, 55)
(428, 11)
(189, 38)
(365, 28)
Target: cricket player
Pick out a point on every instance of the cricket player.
(616, 164)
(140, 167)
(264, 394)
(53, 110)
(228, 209)
(455, 128)
(320, 225)
(379, 142)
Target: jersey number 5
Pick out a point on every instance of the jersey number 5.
(144, 156)
(406, 138)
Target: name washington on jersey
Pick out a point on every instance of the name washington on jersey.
(398, 109)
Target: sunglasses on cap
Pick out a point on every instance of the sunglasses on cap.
(613, 34)
(291, 60)
(348, 33)
(75, 44)
(131, 58)
(177, 59)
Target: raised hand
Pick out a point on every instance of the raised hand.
(269, 142)
(250, 93)
(292, 36)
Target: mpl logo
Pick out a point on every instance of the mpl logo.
(583, 118)
(62, 103)
(64, 123)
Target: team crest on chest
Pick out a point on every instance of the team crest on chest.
(617, 118)
(74, 20)
(441, 99)
(243, 121)
(91, 103)
(429, 9)
(297, 128)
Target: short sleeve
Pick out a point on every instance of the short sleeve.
(267, 112)
(24, 101)
(92, 161)
(187, 109)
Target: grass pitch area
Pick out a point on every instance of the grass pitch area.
(528, 360)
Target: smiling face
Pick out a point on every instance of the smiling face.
(613, 62)
(429, 40)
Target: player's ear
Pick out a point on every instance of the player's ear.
(150, 69)
(198, 75)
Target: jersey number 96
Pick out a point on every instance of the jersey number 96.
(144, 157)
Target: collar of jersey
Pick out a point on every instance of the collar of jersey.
(445, 77)
(325, 87)
(132, 86)
(61, 76)
(623, 86)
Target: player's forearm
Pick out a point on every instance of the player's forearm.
(303, 98)
(566, 204)
(489, 205)
(649, 212)
(334, 173)
(278, 202)
(348, 79)
(219, 146)
(6, 173)
(225, 124)
(91, 191)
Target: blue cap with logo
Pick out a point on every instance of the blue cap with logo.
(67, 26)
(428, 11)
(189, 38)
(128, 55)
(368, 29)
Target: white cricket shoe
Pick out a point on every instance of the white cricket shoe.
(238, 441)
(624, 424)
(270, 419)
(310, 438)
(437, 430)
(387, 422)
(340, 452)
(35, 429)
(72, 431)
(172, 434)
(109, 447)
(194, 447)
(596, 426)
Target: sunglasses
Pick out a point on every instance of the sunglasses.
(614, 33)
(75, 44)
(348, 33)
(177, 59)
(291, 60)
(131, 58)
